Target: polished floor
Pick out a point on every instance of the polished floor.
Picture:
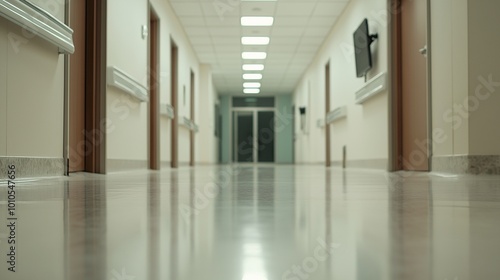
(255, 223)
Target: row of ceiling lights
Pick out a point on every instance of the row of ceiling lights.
(254, 87)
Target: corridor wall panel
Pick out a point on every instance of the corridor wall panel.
(31, 95)
(449, 75)
(127, 137)
(171, 29)
(3, 87)
(365, 130)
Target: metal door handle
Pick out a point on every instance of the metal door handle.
(423, 51)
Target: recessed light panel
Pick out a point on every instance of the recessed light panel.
(255, 40)
(251, 85)
(253, 55)
(252, 76)
(251, 91)
(253, 67)
(257, 21)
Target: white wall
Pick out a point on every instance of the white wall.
(31, 92)
(365, 131)
(206, 141)
(171, 28)
(464, 55)
(484, 65)
(127, 50)
(449, 33)
(4, 45)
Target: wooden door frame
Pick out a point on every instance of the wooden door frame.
(192, 132)
(328, 158)
(95, 115)
(154, 104)
(395, 85)
(174, 61)
(95, 88)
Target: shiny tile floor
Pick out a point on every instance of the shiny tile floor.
(254, 223)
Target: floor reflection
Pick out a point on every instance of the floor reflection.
(256, 222)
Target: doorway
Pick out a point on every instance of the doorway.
(253, 135)
(87, 87)
(154, 103)
(192, 132)
(174, 57)
(328, 160)
(410, 71)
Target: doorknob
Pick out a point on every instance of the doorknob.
(423, 51)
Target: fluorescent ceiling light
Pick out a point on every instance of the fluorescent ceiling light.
(257, 21)
(251, 91)
(252, 76)
(255, 40)
(251, 85)
(253, 55)
(253, 67)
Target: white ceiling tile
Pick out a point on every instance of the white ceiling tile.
(187, 9)
(300, 27)
(256, 31)
(287, 31)
(322, 21)
(287, 21)
(257, 8)
(317, 31)
(203, 40)
(294, 9)
(192, 21)
(229, 21)
(286, 40)
(196, 31)
(329, 8)
(225, 31)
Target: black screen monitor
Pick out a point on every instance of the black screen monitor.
(362, 41)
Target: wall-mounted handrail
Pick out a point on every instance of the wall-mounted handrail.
(336, 114)
(121, 80)
(39, 22)
(189, 124)
(376, 85)
(167, 110)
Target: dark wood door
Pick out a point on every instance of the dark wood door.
(77, 145)
(415, 155)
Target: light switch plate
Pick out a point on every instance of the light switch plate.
(145, 32)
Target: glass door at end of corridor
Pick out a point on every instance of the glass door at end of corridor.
(253, 136)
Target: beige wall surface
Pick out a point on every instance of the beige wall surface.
(32, 94)
(449, 76)
(171, 29)
(127, 50)
(365, 130)
(205, 139)
(484, 77)
(3, 86)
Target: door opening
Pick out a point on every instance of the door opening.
(87, 87)
(410, 113)
(192, 132)
(174, 53)
(328, 160)
(154, 103)
(253, 136)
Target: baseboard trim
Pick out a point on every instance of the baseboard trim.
(117, 165)
(380, 164)
(467, 164)
(27, 167)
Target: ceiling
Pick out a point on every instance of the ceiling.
(299, 29)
